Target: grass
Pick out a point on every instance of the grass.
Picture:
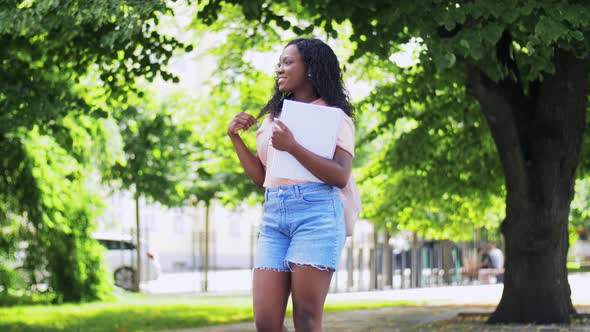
(14, 298)
(132, 312)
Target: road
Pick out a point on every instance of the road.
(239, 282)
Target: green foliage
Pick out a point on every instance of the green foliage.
(157, 152)
(49, 45)
(157, 155)
(426, 145)
(65, 66)
(449, 31)
(249, 95)
(61, 218)
(235, 86)
(8, 279)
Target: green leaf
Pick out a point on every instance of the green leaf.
(550, 30)
(446, 60)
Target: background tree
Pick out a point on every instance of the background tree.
(65, 66)
(158, 151)
(526, 65)
(413, 132)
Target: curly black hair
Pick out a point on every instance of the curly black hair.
(326, 78)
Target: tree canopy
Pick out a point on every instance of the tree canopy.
(66, 69)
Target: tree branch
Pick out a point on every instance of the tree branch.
(505, 57)
(512, 87)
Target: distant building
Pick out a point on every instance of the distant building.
(178, 234)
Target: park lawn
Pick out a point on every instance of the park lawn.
(133, 312)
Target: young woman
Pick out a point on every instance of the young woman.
(303, 230)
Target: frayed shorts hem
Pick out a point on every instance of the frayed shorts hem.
(288, 267)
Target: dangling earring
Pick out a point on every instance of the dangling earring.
(309, 76)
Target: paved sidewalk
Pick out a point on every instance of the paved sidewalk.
(405, 319)
(440, 311)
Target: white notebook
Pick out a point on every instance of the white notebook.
(315, 127)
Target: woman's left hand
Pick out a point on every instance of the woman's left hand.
(282, 138)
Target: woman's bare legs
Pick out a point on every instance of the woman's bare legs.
(271, 293)
(309, 287)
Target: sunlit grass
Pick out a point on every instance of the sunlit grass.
(148, 313)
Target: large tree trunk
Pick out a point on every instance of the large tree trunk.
(538, 136)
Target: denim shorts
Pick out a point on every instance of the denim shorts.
(303, 225)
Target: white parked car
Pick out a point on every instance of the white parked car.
(121, 259)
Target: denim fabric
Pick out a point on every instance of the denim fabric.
(304, 225)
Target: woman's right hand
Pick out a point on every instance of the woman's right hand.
(242, 121)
